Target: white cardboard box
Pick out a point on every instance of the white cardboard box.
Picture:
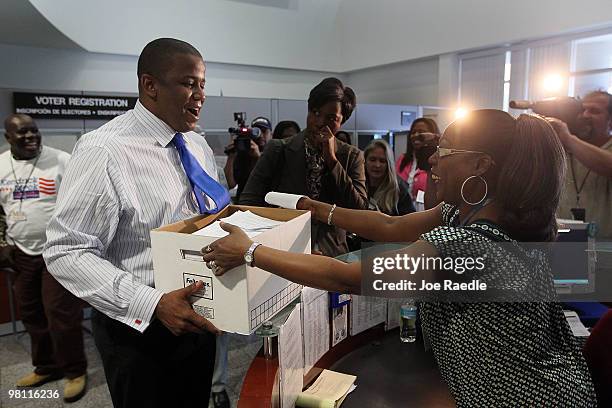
(244, 297)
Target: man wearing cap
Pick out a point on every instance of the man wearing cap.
(240, 164)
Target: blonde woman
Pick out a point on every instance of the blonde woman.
(387, 193)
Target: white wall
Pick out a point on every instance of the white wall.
(387, 31)
(69, 70)
(408, 83)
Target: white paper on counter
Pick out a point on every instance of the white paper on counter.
(339, 324)
(291, 358)
(575, 324)
(252, 224)
(329, 389)
(284, 200)
(315, 325)
(367, 312)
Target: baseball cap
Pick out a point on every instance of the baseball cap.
(261, 122)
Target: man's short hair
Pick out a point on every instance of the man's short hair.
(602, 93)
(8, 121)
(156, 57)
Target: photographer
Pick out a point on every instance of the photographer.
(244, 151)
(588, 185)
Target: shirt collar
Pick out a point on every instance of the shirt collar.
(155, 127)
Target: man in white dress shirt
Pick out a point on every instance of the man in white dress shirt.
(125, 179)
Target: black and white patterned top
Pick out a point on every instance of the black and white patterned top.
(503, 354)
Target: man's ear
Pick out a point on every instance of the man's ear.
(148, 84)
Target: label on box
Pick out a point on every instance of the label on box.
(207, 290)
(207, 312)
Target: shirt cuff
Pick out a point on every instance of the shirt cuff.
(142, 307)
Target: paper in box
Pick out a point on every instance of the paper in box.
(244, 297)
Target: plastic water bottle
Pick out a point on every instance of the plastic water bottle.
(408, 322)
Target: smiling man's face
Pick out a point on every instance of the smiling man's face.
(23, 136)
(180, 94)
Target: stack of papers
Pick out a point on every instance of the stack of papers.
(251, 224)
(328, 391)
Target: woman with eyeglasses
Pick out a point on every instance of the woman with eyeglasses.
(315, 164)
(412, 166)
(498, 179)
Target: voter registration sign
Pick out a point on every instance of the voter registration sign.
(62, 106)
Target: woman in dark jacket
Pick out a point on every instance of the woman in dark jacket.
(315, 164)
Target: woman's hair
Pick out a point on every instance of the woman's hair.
(432, 126)
(332, 90)
(282, 125)
(529, 171)
(344, 136)
(387, 193)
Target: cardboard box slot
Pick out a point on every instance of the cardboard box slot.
(190, 255)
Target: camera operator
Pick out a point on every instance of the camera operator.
(588, 185)
(242, 156)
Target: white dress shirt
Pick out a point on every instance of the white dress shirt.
(124, 179)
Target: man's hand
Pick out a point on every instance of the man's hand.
(7, 256)
(328, 146)
(228, 252)
(562, 131)
(175, 312)
(254, 151)
(230, 149)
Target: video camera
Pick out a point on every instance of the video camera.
(566, 108)
(243, 133)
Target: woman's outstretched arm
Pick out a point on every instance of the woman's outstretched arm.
(374, 225)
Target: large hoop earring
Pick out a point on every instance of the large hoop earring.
(485, 193)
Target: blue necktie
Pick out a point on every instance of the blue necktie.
(202, 184)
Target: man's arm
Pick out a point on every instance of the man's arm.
(262, 176)
(593, 157)
(6, 250)
(228, 170)
(349, 185)
(79, 233)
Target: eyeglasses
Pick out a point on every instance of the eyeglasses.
(330, 118)
(443, 151)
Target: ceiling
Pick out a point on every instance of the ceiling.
(318, 35)
(22, 24)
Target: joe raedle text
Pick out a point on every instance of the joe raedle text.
(424, 285)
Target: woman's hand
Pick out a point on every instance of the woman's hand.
(328, 146)
(306, 203)
(318, 210)
(227, 252)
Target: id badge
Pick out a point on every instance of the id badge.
(16, 216)
(579, 214)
